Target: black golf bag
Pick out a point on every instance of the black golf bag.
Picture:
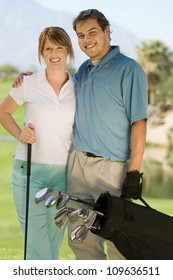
(138, 232)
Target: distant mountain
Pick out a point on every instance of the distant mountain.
(22, 21)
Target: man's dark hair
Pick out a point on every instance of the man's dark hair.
(92, 13)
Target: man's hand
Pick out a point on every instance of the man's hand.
(19, 79)
(132, 186)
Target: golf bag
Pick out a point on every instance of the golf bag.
(138, 232)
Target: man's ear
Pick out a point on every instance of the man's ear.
(107, 31)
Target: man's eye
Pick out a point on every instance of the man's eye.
(80, 36)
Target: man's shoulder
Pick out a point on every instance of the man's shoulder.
(84, 64)
(129, 63)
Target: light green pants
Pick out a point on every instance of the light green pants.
(87, 178)
(44, 237)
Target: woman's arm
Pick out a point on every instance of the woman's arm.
(7, 108)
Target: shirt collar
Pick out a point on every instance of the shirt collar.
(42, 76)
(112, 54)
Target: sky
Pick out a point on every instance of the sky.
(148, 19)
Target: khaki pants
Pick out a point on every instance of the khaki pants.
(87, 178)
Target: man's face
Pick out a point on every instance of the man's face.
(93, 41)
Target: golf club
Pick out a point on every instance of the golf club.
(74, 215)
(27, 197)
(74, 232)
(64, 199)
(67, 197)
(90, 219)
(61, 217)
(81, 233)
(53, 198)
(41, 195)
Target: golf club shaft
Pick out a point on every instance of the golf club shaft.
(89, 203)
(27, 197)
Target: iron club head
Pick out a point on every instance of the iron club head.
(62, 202)
(61, 216)
(41, 195)
(52, 199)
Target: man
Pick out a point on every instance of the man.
(110, 125)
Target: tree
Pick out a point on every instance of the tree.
(8, 72)
(157, 61)
(70, 69)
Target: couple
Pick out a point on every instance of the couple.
(108, 137)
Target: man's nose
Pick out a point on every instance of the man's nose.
(87, 37)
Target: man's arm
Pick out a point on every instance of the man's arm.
(19, 79)
(138, 142)
(132, 186)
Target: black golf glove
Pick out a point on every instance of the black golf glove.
(132, 186)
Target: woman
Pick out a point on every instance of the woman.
(48, 98)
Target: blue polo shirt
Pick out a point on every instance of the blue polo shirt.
(111, 96)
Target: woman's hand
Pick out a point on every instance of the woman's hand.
(27, 134)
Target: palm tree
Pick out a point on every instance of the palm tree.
(156, 60)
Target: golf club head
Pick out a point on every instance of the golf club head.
(52, 199)
(74, 215)
(73, 233)
(63, 201)
(81, 233)
(89, 221)
(90, 215)
(96, 225)
(41, 195)
(61, 217)
(84, 213)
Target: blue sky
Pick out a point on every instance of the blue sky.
(148, 19)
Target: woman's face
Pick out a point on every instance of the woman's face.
(54, 55)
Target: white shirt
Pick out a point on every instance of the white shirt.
(52, 116)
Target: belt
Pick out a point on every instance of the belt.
(91, 155)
